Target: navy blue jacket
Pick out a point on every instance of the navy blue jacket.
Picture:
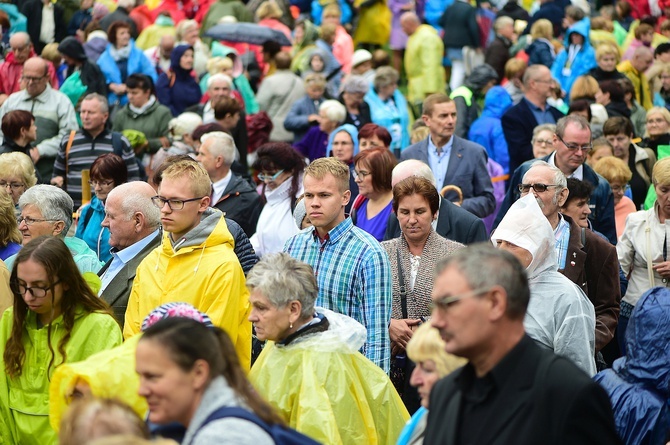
(551, 11)
(296, 119)
(177, 89)
(601, 204)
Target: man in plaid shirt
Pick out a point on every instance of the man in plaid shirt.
(351, 267)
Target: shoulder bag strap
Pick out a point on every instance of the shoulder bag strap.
(650, 265)
(67, 155)
(401, 283)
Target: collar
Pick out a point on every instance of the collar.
(131, 251)
(336, 233)
(43, 97)
(317, 324)
(102, 134)
(577, 174)
(446, 148)
(561, 227)
(220, 185)
(535, 107)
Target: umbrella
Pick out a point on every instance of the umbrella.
(247, 33)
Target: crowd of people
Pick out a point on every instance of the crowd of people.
(334, 222)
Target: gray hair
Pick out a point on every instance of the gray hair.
(574, 119)
(502, 269)
(127, 4)
(133, 200)
(102, 100)
(355, 84)
(412, 167)
(385, 76)
(219, 76)
(542, 127)
(53, 203)
(222, 144)
(334, 110)
(282, 279)
(533, 72)
(559, 177)
(502, 22)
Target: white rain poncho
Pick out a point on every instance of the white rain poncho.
(559, 314)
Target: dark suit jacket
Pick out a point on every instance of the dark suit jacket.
(546, 400)
(594, 267)
(453, 223)
(467, 170)
(241, 203)
(117, 292)
(518, 123)
(32, 9)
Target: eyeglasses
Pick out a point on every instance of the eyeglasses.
(540, 188)
(620, 189)
(101, 183)
(37, 292)
(173, 204)
(543, 141)
(12, 185)
(575, 147)
(361, 174)
(32, 79)
(268, 177)
(444, 303)
(30, 221)
(17, 50)
(658, 121)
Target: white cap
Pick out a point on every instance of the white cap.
(360, 56)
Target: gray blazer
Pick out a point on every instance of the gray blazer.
(467, 170)
(117, 292)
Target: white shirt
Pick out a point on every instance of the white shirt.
(120, 258)
(48, 30)
(219, 186)
(577, 174)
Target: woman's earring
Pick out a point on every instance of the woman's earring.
(290, 326)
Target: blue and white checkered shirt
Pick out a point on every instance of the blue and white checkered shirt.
(562, 235)
(354, 277)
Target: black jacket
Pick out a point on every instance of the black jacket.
(243, 249)
(32, 9)
(364, 116)
(241, 203)
(90, 73)
(460, 19)
(545, 400)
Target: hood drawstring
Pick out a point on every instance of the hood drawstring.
(204, 246)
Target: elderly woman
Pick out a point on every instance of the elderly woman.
(19, 131)
(658, 130)
(354, 89)
(304, 112)
(388, 107)
(427, 349)
(314, 361)
(177, 89)
(618, 174)
(314, 145)
(559, 315)
(543, 140)
(17, 174)
(343, 145)
(601, 149)
(187, 33)
(10, 237)
(47, 210)
(607, 58)
(413, 258)
(372, 136)
(121, 59)
(372, 174)
(642, 248)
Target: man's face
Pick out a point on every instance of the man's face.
(462, 324)
(620, 143)
(92, 117)
(572, 148)
(542, 84)
(21, 49)
(442, 121)
(121, 227)
(207, 160)
(642, 62)
(179, 222)
(35, 77)
(217, 90)
(324, 201)
(507, 31)
(548, 200)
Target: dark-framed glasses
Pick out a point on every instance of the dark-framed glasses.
(444, 303)
(575, 147)
(35, 291)
(94, 183)
(539, 187)
(174, 204)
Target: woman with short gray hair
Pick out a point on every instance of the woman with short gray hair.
(311, 346)
(388, 108)
(314, 145)
(353, 94)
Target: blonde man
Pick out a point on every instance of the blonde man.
(195, 263)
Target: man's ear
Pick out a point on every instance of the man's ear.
(346, 196)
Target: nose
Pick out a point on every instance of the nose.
(143, 390)
(23, 225)
(587, 210)
(166, 206)
(252, 316)
(415, 379)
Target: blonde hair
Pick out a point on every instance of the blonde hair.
(321, 167)
(419, 134)
(608, 49)
(653, 110)
(9, 229)
(660, 175)
(197, 175)
(331, 10)
(184, 26)
(216, 65)
(613, 169)
(50, 53)
(426, 344)
(542, 29)
(269, 10)
(315, 79)
(130, 440)
(18, 164)
(584, 87)
(515, 68)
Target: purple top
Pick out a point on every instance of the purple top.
(376, 226)
(314, 144)
(9, 250)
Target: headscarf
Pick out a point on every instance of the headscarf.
(175, 57)
(353, 132)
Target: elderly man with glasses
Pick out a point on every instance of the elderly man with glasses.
(571, 143)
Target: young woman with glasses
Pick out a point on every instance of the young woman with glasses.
(56, 318)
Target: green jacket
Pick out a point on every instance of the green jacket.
(223, 8)
(24, 400)
(153, 123)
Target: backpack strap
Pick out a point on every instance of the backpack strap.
(70, 140)
(239, 413)
(117, 144)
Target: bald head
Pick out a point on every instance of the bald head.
(642, 59)
(411, 167)
(130, 214)
(20, 45)
(167, 43)
(409, 22)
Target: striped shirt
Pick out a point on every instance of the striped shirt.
(83, 152)
(354, 277)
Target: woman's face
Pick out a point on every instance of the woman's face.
(618, 189)
(271, 323)
(14, 185)
(371, 142)
(656, 125)
(363, 178)
(521, 254)
(172, 393)
(186, 60)
(102, 187)
(415, 218)
(543, 144)
(138, 97)
(598, 153)
(191, 35)
(273, 178)
(607, 63)
(47, 303)
(298, 34)
(31, 132)
(122, 37)
(424, 376)
(665, 81)
(317, 64)
(387, 91)
(343, 147)
(663, 198)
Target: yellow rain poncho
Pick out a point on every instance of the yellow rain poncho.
(326, 389)
(109, 374)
